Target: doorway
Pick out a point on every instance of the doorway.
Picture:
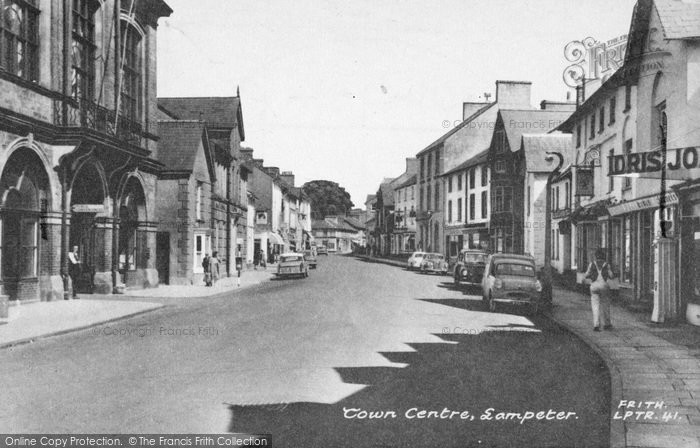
(163, 257)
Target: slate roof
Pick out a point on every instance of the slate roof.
(218, 112)
(680, 19)
(178, 144)
(410, 181)
(535, 147)
(517, 122)
(478, 159)
(370, 197)
(458, 127)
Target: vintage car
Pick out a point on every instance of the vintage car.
(292, 265)
(434, 263)
(469, 269)
(415, 260)
(321, 250)
(310, 258)
(511, 279)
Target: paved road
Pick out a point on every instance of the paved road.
(297, 358)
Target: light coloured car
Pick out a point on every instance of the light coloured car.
(511, 279)
(292, 264)
(415, 260)
(434, 263)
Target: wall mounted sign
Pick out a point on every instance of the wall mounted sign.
(650, 164)
(88, 208)
(584, 182)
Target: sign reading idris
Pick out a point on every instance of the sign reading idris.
(641, 163)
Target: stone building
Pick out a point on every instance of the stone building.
(205, 166)
(78, 135)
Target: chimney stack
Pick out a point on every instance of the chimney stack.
(288, 178)
(513, 94)
(560, 106)
(272, 171)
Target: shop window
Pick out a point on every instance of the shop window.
(83, 49)
(19, 38)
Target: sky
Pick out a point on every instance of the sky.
(346, 91)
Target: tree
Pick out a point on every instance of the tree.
(327, 198)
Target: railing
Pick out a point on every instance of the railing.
(83, 113)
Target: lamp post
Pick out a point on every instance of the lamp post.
(548, 224)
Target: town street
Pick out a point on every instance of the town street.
(306, 359)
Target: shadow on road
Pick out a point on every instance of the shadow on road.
(511, 371)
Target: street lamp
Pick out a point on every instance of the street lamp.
(548, 223)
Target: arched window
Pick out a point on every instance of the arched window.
(83, 49)
(132, 73)
(19, 38)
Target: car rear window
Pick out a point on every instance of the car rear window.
(523, 270)
(475, 258)
(290, 258)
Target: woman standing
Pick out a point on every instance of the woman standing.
(599, 272)
(214, 267)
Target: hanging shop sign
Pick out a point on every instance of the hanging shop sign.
(650, 164)
(584, 182)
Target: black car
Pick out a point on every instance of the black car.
(469, 268)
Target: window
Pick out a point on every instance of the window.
(449, 211)
(413, 193)
(19, 38)
(459, 209)
(529, 196)
(611, 179)
(592, 131)
(437, 162)
(627, 182)
(578, 135)
(613, 106)
(601, 120)
(472, 207)
(502, 201)
(484, 205)
(437, 197)
(198, 202)
(428, 198)
(500, 166)
(422, 167)
(459, 182)
(422, 205)
(472, 178)
(430, 164)
(484, 176)
(567, 193)
(200, 249)
(83, 50)
(556, 198)
(449, 184)
(628, 97)
(131, 87)
(500, 141)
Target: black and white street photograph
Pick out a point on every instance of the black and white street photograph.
(330, 224)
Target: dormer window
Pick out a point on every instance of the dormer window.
(19, 38)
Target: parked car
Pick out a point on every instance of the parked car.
(321, 250)
(434, 263)
(469, 269)
(292, 264)
(310, 258)
(511, 279)
(415, 260)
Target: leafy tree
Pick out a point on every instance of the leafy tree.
(327, 198)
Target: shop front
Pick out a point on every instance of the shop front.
(689, 233)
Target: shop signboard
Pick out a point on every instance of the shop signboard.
(681, 164)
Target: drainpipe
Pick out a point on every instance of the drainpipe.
(64, 232)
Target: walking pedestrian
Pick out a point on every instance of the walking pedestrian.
(599, 273)
(214, 268)
(206, 265)
(75, 268)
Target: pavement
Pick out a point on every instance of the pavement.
(36, 320)
(654, 372)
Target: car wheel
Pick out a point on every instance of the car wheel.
(456, 278)
(492, 304)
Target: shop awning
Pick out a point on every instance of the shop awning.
(271, 236)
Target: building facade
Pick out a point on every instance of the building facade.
(404, 236)
(78, 129)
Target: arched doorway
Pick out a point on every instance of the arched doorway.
(24, 195)
(132, 247)
(87, 207)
